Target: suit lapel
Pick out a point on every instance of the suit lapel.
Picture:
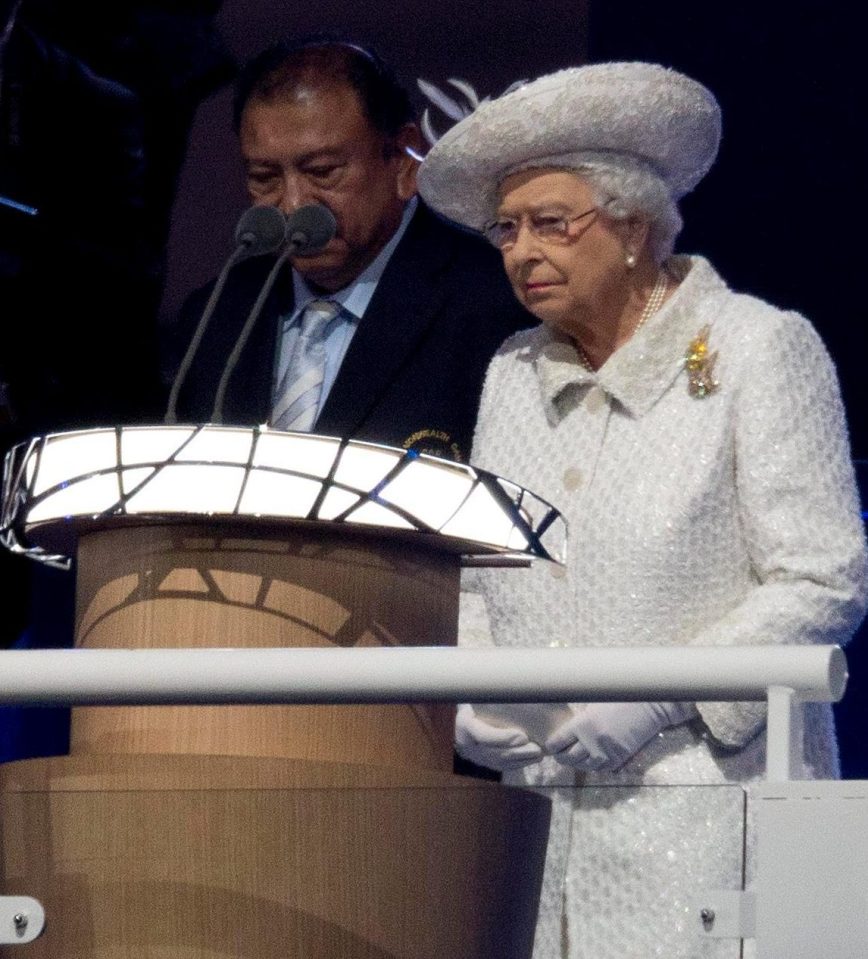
(405, 305)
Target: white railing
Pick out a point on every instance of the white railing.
(784, 676)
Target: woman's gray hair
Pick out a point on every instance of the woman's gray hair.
(623, 185)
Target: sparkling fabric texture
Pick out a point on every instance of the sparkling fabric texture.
(643, 110)
(726, 519)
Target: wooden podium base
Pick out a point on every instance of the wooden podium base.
(169, 586)
(205, 857)
(268, 832)
(260, 832)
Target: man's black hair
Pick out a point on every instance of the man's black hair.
(284, 66)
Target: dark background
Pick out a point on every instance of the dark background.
(114, 122)
(487, 44)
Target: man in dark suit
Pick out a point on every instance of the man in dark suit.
(420, 304)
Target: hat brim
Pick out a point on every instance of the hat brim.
(641, 109)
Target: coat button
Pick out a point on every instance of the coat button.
(595, 400)
(572, 478)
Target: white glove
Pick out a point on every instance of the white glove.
(606, 735)
(496, 747)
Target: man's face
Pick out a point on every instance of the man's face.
(318, 146)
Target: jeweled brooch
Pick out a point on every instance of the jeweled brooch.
(700, 365)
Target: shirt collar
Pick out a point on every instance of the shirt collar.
(639, 372)
(355, 297)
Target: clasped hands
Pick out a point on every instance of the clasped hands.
(600, 736)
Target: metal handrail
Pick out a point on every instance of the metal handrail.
(785, 676)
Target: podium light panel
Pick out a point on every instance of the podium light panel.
(56, 485)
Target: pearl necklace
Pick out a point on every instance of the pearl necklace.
(652, 305)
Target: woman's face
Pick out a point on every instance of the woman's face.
(567, 281)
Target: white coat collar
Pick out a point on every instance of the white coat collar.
(639, 372)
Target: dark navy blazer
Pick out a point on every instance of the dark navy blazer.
(413, 372)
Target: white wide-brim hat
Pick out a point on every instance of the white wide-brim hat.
(643, 110)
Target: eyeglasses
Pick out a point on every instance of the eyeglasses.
(548, 227)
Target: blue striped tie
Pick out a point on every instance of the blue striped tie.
(297, 398)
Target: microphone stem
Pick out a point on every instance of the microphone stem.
(171, 416)
(244, 335)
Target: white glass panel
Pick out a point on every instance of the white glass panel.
(29, 468)
(150, 444)
(517, 540)
(84, 498)
(429, 491)
(130, 479)
(311, 455)
(512, 490)
(335, 502)
(481, 518)
(75, 454)
(376, 515)
(209, 475)
(276, 494)
(190, 489)
(216, 445)
(554, 540)
(363, 467)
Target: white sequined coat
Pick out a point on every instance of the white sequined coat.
(723, 520)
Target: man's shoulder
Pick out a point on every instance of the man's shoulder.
(432, 226)
(456, 259)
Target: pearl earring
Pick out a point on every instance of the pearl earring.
(630, 260)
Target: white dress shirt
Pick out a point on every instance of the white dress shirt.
(353, 300)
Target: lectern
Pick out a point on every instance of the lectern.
(228, 830)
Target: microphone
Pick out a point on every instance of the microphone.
(260, 230)
(308, 230)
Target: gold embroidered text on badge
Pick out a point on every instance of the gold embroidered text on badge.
(700, 366)
(435, 443)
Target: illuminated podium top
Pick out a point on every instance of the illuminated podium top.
(57, 486)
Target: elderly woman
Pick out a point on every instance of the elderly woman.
(694, 439)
